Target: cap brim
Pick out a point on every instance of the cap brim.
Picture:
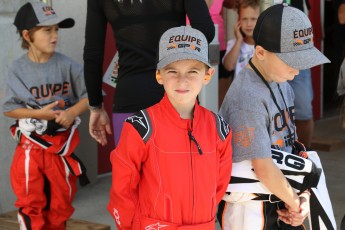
(303, 59)
(65, 23)
(180, 56)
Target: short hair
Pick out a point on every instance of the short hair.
(247, 3)
(25, 44)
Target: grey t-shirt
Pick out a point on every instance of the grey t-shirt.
(254, 118)
(38, 84)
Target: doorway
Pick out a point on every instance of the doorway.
(334, 41)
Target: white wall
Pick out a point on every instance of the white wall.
(10, 6)
(71, 43)
(10, 50)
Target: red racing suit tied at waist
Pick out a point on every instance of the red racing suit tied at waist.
(62, 144)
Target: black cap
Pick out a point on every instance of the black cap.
(34, 14)
(287, 32)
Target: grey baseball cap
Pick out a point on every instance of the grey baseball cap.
(33, 14)
(181, 43)
(287, 32)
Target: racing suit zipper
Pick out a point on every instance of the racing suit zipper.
(192, 170)
(192, 138)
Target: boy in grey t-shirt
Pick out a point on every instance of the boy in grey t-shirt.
(45, 94)
(259, 108)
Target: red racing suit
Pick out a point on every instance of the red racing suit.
(168, 172)
(44, 171)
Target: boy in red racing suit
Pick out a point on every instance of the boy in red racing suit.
(173, 161)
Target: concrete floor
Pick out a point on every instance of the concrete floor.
(333, 163)
(91, 201)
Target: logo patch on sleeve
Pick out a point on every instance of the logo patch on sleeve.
(142, 123)
(244, 136)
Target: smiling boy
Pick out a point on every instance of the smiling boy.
(173, 161)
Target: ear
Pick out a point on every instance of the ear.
(26, 36)
(208, 75)
(260, 52)
(159, 78)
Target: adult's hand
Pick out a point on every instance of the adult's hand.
(99, 125)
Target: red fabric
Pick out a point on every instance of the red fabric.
(147, 223)
(30, 166)
(63, 143)
(166, 178)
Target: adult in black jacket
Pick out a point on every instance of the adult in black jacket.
(137, 27)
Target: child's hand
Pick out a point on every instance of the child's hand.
(293, 217)
(284, 215)
(297, 218)
(237, 31)
(64, 118)
(47, 112)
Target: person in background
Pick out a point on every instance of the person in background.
(137, 27)
(173, 161)
(303, 90)
(341, 13)
(45, 94)
(341, 79)
(241, 49)
(341, 90)
(339, 34)
(338, 46)
(216, 9)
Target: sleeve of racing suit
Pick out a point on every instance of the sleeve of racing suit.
(225, 166)
(126, 162)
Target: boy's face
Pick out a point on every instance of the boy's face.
(247, 18)
(274, 69)
(44, 40)
(183, 80)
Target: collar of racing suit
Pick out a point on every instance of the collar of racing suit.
(175, 118)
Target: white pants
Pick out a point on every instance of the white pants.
(251, 215)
